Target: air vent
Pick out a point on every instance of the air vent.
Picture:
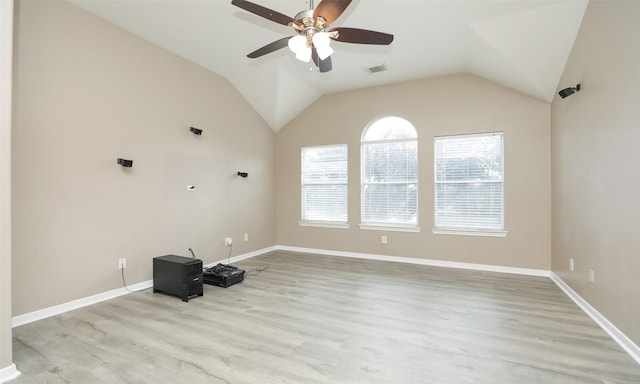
(378, 68)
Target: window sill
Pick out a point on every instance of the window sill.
(320, 224)
(374, 227)
(469, 232)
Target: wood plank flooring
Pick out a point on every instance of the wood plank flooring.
(320, 319)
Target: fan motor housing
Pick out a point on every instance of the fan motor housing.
(305, 18)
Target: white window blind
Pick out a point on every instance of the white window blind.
(390, 173)
(469, 185)
(324, 184)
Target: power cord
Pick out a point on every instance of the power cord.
(256, 271)
(123, 282)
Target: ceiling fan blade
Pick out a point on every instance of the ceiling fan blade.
(278, 44)
(323, 65)
(264, 12)
(361, 36)
(330, 9)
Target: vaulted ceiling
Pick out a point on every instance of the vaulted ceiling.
(523, 45)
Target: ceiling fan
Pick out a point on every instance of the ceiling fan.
(314, 33)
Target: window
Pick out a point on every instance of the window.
(469, 183)
(324, 185)
(390, 174)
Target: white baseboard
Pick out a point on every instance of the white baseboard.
(431, 262)
(244, 256)
(30, 317)
(9, 373)
(623, 341)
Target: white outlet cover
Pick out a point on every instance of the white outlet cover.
(571, 265)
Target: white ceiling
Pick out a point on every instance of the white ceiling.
(523, 45)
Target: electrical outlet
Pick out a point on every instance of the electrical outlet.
(592, 276)
(246, 237)
(571, 264)
(228, 241)
(383, 239)
(122, 263)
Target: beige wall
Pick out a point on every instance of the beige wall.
(596, 177)
(87, 93)
(6, 53)
(442, 106)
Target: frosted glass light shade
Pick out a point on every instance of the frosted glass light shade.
(321, 39)
(324, 52)
(304, 54)
(322, 43)
(297, 43)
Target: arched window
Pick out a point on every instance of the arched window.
(390, 173)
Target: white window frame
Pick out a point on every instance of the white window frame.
(386, 225)
(471, 230)
(329, 223)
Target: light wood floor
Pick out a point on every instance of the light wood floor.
(320, 319)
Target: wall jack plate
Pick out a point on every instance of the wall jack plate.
(228, 241)
(122, 263)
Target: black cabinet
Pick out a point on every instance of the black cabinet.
(177, 275)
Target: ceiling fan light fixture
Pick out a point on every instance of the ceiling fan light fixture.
(304, 54)
(324, 52)
(297, 43)
(314, 31)
(322, 42)
(321, 39)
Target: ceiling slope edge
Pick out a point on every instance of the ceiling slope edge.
(547, 33)
(287, 97)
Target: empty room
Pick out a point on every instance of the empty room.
(300, 191)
